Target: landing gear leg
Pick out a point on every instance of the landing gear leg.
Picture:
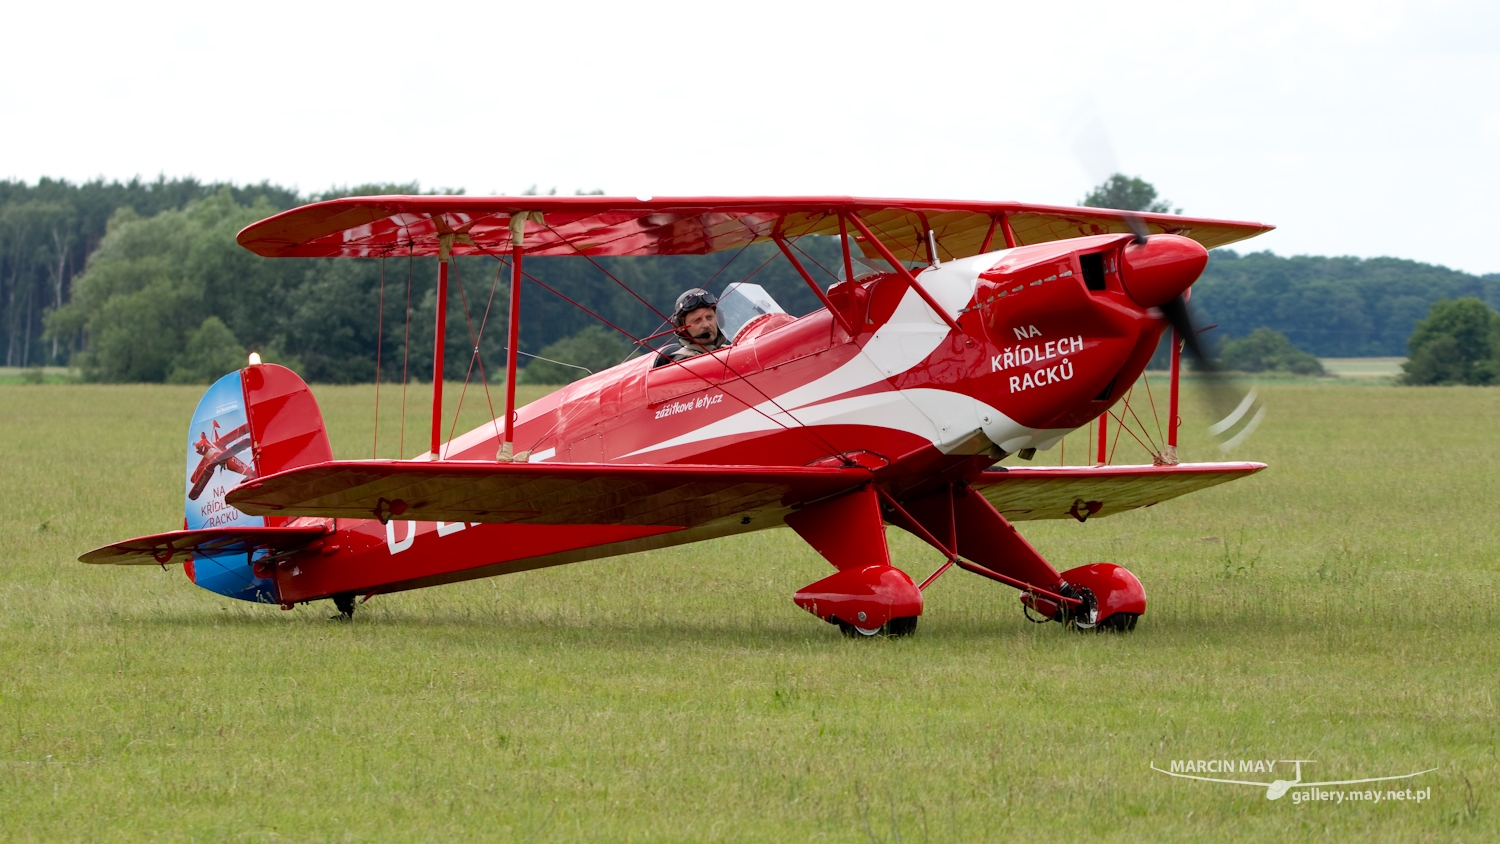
(867, 597)
(1100, 596)
(344, 601)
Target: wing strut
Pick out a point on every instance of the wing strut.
(1010, 234)
(1171, 449)
(844, 241)
(517, 234)
(989, 235)
(440, 336)
(838, 315)
(901, 270)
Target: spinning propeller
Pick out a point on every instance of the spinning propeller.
(1091, 147)
(1223, 395)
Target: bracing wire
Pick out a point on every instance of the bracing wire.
(1156, 417)
(821, 444)
(623, 285)
(876, 229)
(475, 357)
(665, 320)
(1150, 443)
(550, 360)
(811, 259)
(1121, 424)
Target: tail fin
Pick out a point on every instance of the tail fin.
(257, 421)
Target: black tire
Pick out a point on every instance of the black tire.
(344, 601)
(904, 626)
(1120, 622)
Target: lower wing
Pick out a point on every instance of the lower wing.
(1079, 492)
(538, 493)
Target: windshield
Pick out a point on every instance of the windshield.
(863, 267)
(741, 303)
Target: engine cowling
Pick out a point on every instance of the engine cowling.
(1159, 270)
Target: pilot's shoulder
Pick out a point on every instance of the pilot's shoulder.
(666, 354)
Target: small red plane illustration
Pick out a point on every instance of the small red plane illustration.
(953, 336)
(222, 451)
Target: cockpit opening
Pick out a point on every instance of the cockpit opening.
(741, 303)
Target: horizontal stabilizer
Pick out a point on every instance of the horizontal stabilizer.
(163, 548)
(538, 493)
(1079, 492)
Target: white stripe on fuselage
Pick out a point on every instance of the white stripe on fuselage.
(912, 334)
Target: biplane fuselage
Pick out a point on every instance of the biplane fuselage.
(891, 404)
(904, 397)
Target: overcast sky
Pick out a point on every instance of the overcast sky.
(1358, 128)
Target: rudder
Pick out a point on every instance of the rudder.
(253, 422)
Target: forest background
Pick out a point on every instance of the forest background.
(143, 281)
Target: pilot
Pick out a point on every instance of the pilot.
(697, 321)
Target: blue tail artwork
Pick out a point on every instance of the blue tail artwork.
(253, 422)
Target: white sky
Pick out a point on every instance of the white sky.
(1360, 128)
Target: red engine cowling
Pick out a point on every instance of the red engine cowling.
(1161, 269)
(867, 597)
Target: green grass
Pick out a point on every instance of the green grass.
(37, 375)
(1341, 606)
(1370, 369)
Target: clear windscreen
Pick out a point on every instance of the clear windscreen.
(863, 267)
(742, 303)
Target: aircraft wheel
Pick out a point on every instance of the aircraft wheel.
(895, 627)
(344, 601)
(1120, 622)
(1082, 618)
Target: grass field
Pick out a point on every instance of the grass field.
(1364, 369)
(1341, 606)
(15, 375)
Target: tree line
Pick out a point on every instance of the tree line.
(170, 296)
(1331, 307)
(143, 281)
(48, 231)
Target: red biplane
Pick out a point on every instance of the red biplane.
(955, 335)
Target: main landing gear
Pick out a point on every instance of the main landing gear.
(1125, 592)
(868, 597)
(344, 602)
(904, 626)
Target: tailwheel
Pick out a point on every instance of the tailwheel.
(904, 626)
(344, 602)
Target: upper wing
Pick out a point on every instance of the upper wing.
(538, 493)
(1078, 492)
(376, 226)
(159, 549)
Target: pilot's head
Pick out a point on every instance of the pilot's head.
(697, 315)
